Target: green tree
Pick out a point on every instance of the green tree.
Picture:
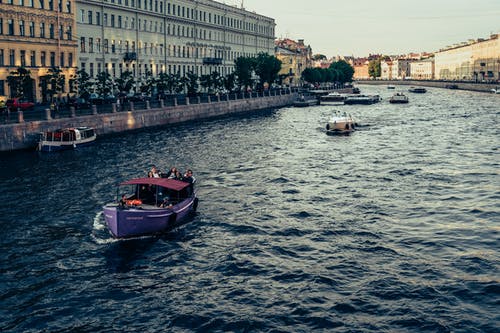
(229, 81)
(81, 83)
(267, 68)
(148, 83)
(374, 68)
(21, 83)
(125, 82)
(191, 83)
(56, 82)
(103, 84)
(344, 70)
(243, 68)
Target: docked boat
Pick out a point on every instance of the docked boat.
(304, 101)
(399, 98)
(333, 98)
(66, 138)
(391, 86)
(340, 123)
(362, 99)
(418, 90)
(147, 206)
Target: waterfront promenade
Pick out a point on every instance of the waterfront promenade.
(471, 86)
(21, 132)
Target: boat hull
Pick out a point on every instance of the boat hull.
(51, 146)
(124, 222)
(306, 103)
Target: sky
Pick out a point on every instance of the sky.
(390, 27)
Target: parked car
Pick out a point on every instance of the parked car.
(17, 103)
(139, 97)
(79, 103)
(96, 99)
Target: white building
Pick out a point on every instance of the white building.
(422, 69)
(401, 68)
(175, 36)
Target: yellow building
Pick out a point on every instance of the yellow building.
(295, 57)
(37, 35)
(475, 60)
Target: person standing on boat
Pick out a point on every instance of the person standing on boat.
(188, 178)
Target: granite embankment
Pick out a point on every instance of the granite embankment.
(24, 135)
(481, 87)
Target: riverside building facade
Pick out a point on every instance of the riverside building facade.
(475, 60)
(174, 37)
(37, 35)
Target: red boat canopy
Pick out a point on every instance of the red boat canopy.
(171, 184)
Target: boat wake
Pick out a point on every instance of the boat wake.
(100, 233)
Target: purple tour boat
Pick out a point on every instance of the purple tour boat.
(150, 205)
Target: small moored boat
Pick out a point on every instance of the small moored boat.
(334, 98)
(399, 98)
(66, 138)
(306, 100)
(340, 123)
(391, 86)
(418, 90)
(362, 99)
(149, 206)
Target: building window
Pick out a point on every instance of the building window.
(68, 6)
(91, 44)
(1, 26)
(10, 24)
(82, 44)
(70, 60)
(12, 57)
(51, 31)
(43, 58)
(98, 18)
(89, 17)
(61, 59)
(33, 59)
(70, 33)
(52, 59)
(112, 20)
(91, 69)
(42, 30)
(32, 29)
(2, 63)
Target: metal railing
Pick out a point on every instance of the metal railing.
(43, 112)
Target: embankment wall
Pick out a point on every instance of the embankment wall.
(481, 87)
(24, 135)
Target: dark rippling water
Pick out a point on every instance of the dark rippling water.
(394, 228)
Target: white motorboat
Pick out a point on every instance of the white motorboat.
(399, 98)
(340, 123)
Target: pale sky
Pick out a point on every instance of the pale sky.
(361, 27)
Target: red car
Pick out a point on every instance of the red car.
(16, 103)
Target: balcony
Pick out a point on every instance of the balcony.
(130, 56)
(212, 61)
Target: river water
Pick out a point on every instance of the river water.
(394, 228)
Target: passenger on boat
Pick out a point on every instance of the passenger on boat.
(123, 200)
(154, 173)
(188, 178)
(172, 173)
(166, 203)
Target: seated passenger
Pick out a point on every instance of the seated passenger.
(171, 174)
(154, 173)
